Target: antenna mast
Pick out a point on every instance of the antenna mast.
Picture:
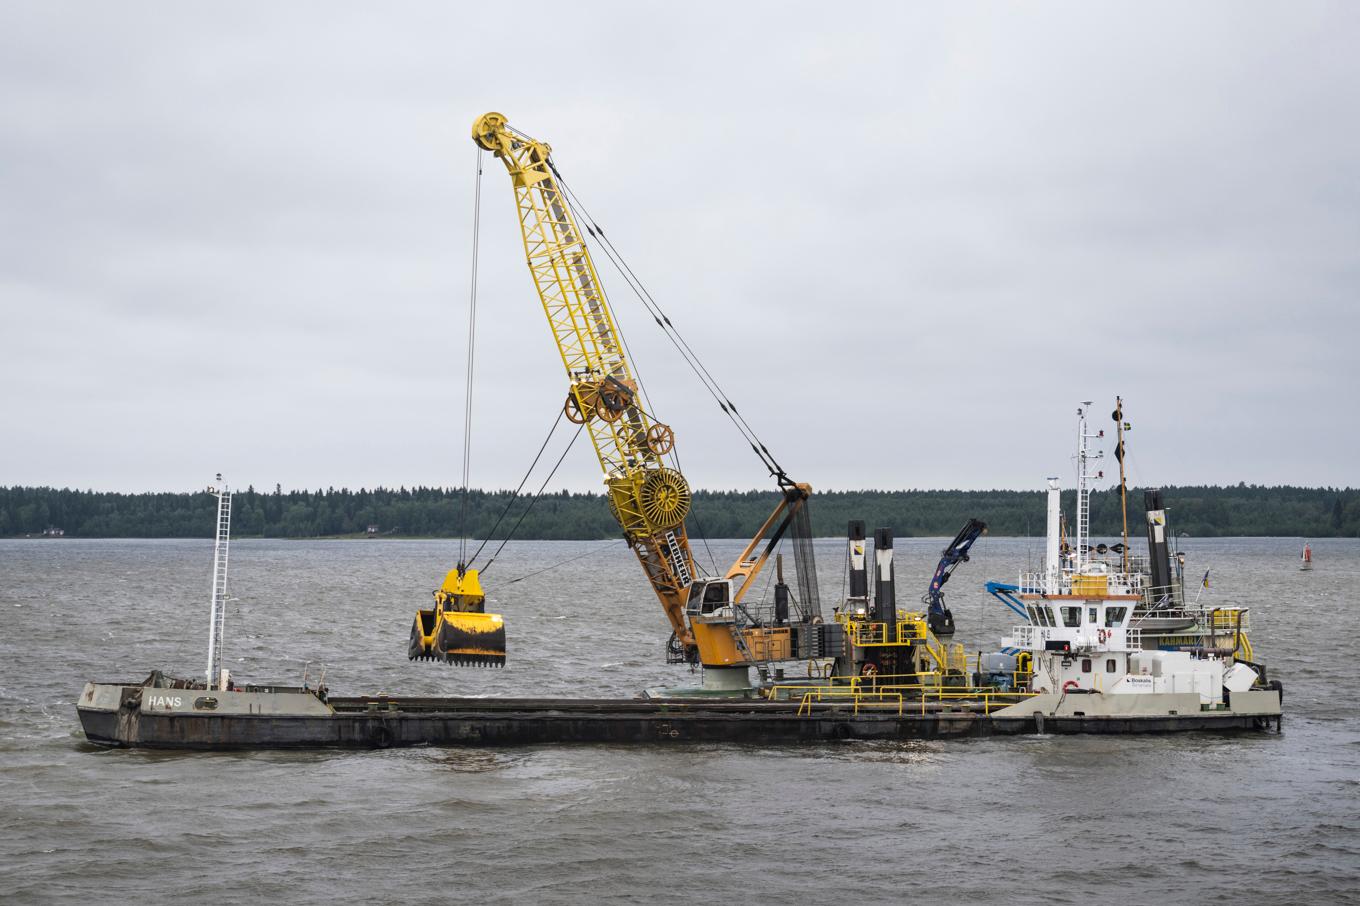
(1121, 427)
(217, 614)
(1083, 540)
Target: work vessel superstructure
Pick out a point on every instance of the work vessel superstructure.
(1101, 620)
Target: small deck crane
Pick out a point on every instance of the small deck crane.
(939, 617)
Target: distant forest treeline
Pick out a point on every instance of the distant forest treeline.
(434, 512)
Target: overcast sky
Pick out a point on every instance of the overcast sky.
(908, 239)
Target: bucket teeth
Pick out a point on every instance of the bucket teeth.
(458, 639)
(457, 659)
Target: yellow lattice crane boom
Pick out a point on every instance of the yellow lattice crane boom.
(649, 499)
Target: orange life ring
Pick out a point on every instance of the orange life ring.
(1070, 684)
(1103, 635)
(869, 668)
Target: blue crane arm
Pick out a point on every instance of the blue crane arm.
(1005, 593)
(940, 619)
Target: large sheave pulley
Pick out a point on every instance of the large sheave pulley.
(664, 497)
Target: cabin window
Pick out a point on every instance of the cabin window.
(1091, 615)
(1033, 614)
(715, 597)
(1071, 616)
(1086, 665)
(1114, 616)
(1111, 665)
(1046, 616)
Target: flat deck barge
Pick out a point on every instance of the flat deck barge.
(156, 714)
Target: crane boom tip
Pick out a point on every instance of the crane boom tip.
(486, 128)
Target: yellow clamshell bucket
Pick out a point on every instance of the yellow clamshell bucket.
(458, 630)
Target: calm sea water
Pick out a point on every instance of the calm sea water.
(1190, 819)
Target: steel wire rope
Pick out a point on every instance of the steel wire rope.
(539, 494)
(515, 494)
(590, 553)
(769, 575)
(664, 322)
(650, 410)
(471, 353)
(567, 199)
(611, 253)
(697, 367)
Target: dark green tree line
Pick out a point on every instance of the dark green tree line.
(435, 512)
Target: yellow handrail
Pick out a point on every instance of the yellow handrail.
(865, 690)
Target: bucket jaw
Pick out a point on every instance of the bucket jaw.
(458, 630)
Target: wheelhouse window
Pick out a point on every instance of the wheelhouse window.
(1071, 616)
(1114, 616)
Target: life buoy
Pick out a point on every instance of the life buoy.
(869, 669)
(1103, 635)
(1070, 685)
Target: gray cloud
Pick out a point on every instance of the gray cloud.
(907, 239)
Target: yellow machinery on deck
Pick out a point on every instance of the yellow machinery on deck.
(649, 498)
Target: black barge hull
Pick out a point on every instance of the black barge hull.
(368, 723)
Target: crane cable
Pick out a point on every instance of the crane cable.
(539, 494)
(672, 333)
(623, 338)
(463, 559)
(664, 322)
(471, 351)
(514, 495)
(651, 413)
(590, 553)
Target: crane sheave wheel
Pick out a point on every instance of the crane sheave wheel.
(610, 404)
(665, 498)
(572, 409)
(611, 401)
(660, 439)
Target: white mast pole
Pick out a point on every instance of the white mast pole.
(1082, 533)
(1052, 557)
(1084, 456)
(218, 612)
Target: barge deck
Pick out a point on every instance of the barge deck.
(148, 715)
